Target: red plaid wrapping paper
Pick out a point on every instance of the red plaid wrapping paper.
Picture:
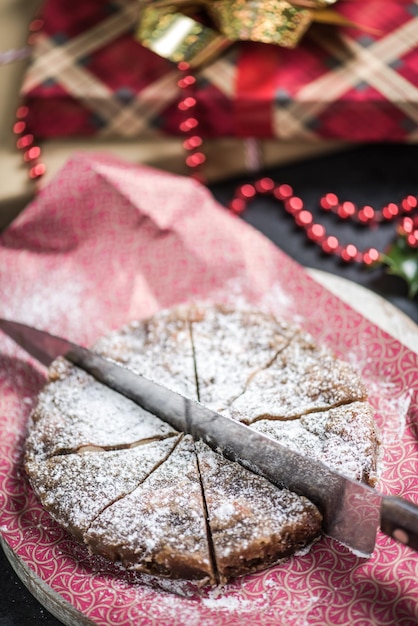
(89, 76)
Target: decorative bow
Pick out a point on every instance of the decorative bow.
(197, 30)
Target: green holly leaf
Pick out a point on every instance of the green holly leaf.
(402, 260)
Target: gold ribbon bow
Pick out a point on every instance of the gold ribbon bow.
(196, 31)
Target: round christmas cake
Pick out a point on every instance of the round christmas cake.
(135, 491)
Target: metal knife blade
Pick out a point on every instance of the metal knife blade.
(352, 511)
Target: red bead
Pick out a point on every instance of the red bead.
(282, 192)
(247, 191)
(187, 103)
(24, 141)
(293, 205)
(37, 170)
(186, 81)
(412, 239)
(346, 209)
(188, 124)
(238, 205)
(406, 226)
(19, 127)
(183, 66)
(193, 142)
(349, 253)
(316, 232)
(304, 218)
(330, 245)
(196, 159)
(370, 256)
(22, 112)
(264, 185)
(366, 214)
(390, 211)
(329, 201)
(409, 203)
(32, 154)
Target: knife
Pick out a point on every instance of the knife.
(352, 511)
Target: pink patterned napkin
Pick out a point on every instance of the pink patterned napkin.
(107, 242)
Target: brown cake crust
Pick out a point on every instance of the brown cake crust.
(76, 412)
(160, 527)
(75, 488)
(302, 378)
(271, 523)
(135, 491)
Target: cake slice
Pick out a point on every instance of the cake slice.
(159, 528)
(75, 412)
(75, 488)
(301, 379)
(252, 523)
(345, 438)
(230, 346)
(159, 348)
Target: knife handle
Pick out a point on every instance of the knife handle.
(399, 520)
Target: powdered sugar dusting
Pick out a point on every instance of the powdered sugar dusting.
(159, 527)
(189, 511)
(76, 411)
(301, 378)
(344, 438)
(390, 400)
(75, 488)
(230, 346)
(392, 407)
(159, 348)
(252, 523)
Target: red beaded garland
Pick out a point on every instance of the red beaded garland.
(282, 192)
(190, 125)
(349, 252)
(293, 205)
(329, 202)
(346, 210)
(316, 233)
(25, 140)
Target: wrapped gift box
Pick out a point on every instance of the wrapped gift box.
(91, 77)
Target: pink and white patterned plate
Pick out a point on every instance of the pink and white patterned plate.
(107, 242)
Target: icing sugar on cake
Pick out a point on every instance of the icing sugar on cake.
(135, 491)
(158, 348)
(301, 379)
(159, 527)
(75, 411)
(270, 523)
(77, 487)
(230, 348)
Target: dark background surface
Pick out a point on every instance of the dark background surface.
(375, 175)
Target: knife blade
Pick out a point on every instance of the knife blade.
(352, 511)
